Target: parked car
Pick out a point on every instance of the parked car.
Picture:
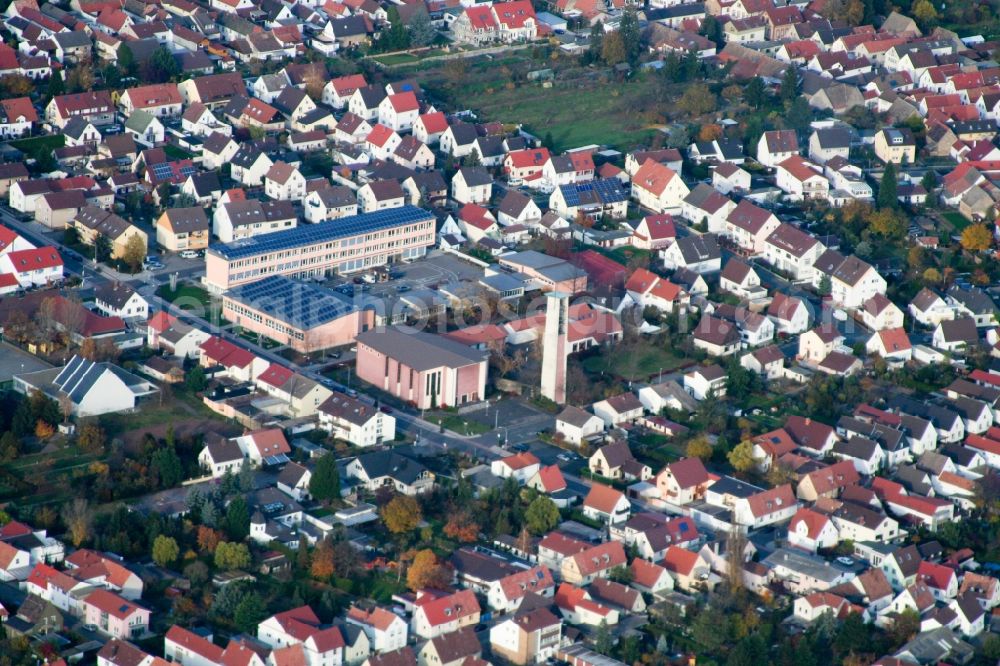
(190, 254)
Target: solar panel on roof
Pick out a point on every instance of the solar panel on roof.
(344, 227)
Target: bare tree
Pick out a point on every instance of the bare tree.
(736, 544)
(78, 517)
(65, 405)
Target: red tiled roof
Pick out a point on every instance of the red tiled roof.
(112, 604)
(35, 259)
(434, 123)
(450, 608)
(814, 522)
(653, 177)
(603, 498)
(601, 557)
(680, 560)
(404, 101)
(530, 157)
(551, 478)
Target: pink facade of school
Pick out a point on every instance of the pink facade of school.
(340, 331)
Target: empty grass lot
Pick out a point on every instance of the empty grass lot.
(581, 108)
(633, 364)
(186, 296)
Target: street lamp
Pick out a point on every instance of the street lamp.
(505, 439)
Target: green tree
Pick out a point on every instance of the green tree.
(672, 69)
(238, 519)
(70, 236)
(23, 421)
(56, 85)
(710, 630)
(929, 181)
(324, 484)
(790, 84)
(613, 51)
(711, 29)
(166, 465)
(161, 66)
(602, 639)
(422, 32)
(596, 47)
(825, 287)
(888, 188)
(395, 37)
(755, 93)
(231, 555)
(249, 613)
(10, 446)
(799, 114)
(631, 36)
(853, 635)
(749, 651)
(698, 99)
(195, 380)
(102, 248)
(165, 550)
(542, 515)
(126, 60)
(741, 456)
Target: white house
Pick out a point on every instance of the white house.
(576, 425)
(775, 146)
(658, 188)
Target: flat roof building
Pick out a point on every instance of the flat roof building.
(305, 317)
(345, 245)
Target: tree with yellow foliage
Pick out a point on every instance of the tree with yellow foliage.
(976, 238)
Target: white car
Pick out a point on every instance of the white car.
(190, 254)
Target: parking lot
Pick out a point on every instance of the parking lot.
(435, 269)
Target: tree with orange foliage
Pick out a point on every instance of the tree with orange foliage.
(43, 430)
(208, 539)
(322, 561)
(461, 527)
(709, 132)
(427, 571)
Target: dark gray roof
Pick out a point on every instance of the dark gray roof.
(474, 176)
(696, 249)
(389, 463)
(115, 294)
(298, 304)
(419, 350)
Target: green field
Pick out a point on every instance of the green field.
(633, 364)
(396, 59)
(186, 296)
(581, 107)
(35, 146)
(957, 220)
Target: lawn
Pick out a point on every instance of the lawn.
(456, 423)
(36, 145)
(581, 107)
(176, 152)
(573, 116)
(957, 220)
(186, 296)
(396, 59)
(633, 364)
